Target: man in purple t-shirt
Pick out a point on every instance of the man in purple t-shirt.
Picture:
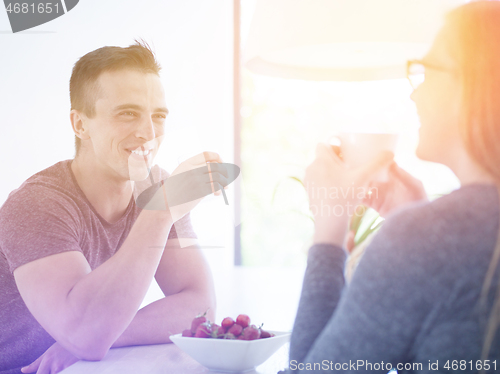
(77, 255)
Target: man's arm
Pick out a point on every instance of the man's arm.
(86, 311)
(186, 281)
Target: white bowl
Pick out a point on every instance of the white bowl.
(231, 355)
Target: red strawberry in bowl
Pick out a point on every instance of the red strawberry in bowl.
(218, 350)
(227, 323)
(251, 333)
(198, 320)
(235, 330)
(229, 329)
(264, 334)
(217, 331)
(187, 333)
(204, 330)
(243, 320)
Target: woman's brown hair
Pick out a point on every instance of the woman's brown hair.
(475, 44)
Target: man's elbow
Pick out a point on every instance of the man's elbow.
(203, 300)
(85, 347)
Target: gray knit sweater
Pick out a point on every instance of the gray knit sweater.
(412, 304)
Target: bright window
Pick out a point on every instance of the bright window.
(283, 120)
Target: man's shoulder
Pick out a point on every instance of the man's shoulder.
(56, 180)
(57, 175)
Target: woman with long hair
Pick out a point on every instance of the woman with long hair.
(425, 297)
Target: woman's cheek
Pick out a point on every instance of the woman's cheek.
(438, 127)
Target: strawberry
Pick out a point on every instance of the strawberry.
(217, 331)
(198, 320)
(187, 333)
(265, 334)
(235, 330)
(204, 330)
(227, 323)
(243, 320)
(251, 333)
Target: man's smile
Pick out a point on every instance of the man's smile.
(141, 154)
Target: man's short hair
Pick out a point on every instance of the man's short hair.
(83, 87)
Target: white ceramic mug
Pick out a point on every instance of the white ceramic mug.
(358, 149)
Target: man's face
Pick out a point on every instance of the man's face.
(130, 114)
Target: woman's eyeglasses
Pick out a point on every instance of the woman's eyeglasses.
(415, 71)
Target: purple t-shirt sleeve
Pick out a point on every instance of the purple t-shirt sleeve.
(36, 222)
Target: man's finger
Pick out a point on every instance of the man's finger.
(202, 158)
(212, 157)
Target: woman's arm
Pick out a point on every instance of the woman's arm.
(377, 317)
(337, 325)
(321, 291)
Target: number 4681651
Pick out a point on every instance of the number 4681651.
(32, 8)
(470, 365)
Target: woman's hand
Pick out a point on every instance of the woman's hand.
(335, 190)
(53, 360)
(400, 189)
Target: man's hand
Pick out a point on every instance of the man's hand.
(53, 360)
(400, 189)
(188, 184)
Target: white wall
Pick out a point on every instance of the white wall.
(193, 42)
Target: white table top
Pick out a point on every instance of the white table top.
(162, 359)
(267, 295)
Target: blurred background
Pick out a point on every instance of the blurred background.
(312, 70)
(266, 121)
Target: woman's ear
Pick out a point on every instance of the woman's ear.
(78, 122)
